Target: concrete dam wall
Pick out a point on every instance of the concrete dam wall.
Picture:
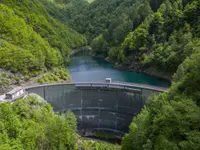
(98, 106)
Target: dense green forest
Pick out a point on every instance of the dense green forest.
(32, 38)
(140, 35)
(33, 41)
(30, 124)
(170, 120)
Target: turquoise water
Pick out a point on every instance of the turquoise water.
(85, 68)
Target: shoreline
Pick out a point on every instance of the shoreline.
(152, 71)
(148, 71)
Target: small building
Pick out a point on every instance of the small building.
(108, 80)
(15, 93)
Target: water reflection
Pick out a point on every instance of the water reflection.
(85, 68)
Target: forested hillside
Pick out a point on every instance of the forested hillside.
(31, 124)
(32, 40)
(26, 26)
(64, 10)
(171, 120)
(168, 40)
(141, 35)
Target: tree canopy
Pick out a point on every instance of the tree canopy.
(31, 124)
(31, 39)
(140, 34)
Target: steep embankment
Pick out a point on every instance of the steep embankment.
(161, 41)
(32, 41)
(171, 120)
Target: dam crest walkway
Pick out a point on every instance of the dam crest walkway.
(113, 85)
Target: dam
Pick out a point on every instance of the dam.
(98, 106)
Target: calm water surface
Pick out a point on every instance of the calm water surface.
(86, 68)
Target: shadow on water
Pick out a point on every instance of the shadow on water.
(86, 68)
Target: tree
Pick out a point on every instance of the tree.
(99, 45)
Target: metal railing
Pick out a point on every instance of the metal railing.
(113, 85)
(119, 85)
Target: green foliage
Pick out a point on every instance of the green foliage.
(4, 83)
(56, 75)
(96, 145)
(161, 41)
(109, 22)
(31, 124)
(99, 45)
(31, 40)
(7, 79)
(142, 33)
(170, 120)
(180, 44)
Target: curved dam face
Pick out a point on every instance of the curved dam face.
(98, 106)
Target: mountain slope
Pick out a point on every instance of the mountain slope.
(162, 39)
(22, 49)
(170, 120)
(28, 27)
(141, 35)
(32, 42)
(105, 17)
